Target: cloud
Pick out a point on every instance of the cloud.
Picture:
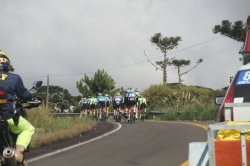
(67, 39)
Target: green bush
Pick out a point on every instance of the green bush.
(195, 103)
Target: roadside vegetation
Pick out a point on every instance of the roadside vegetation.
(50, 128)
(181, 102)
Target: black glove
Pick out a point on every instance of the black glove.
(35, 102)
(36, 99)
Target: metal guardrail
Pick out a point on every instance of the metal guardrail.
(164, 112)
(72, 114)
(111, 113)
(155, 113)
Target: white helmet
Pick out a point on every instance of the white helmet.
(106, 95)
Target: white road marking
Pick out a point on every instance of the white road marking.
(73, 146)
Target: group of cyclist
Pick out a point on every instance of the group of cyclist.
(131, 100)
(94, 105)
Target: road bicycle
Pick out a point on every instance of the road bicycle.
(132, 115)
(104, 117)
(118, 116)
(143, 113)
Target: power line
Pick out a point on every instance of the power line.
(131, 63)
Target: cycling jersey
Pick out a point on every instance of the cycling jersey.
(142, 102)
(84, 104)
(107, 101)
(117, 101)
(101, 101)
(131, 99)
(92, 102)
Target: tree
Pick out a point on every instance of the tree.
(236, 31)
(11, 68)
(101, 82)
(164, 44)
(183, 63)
(56, 94)
(52, 90)
(67, 96)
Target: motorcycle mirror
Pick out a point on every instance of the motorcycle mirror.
(37, 84)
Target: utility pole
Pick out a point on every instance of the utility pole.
(47, 95)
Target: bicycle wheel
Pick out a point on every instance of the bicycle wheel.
(131, 116)
(116, 119)
(142, 116)
(133, 119)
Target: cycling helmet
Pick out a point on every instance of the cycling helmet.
(99, 94)
(106, 95)
(132, 90)
(136, 90)
(117, 94)
(4, 61)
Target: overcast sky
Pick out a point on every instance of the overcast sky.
(69, 38)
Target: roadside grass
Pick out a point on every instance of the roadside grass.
(49, 128)
(181, 102)
(196, 112)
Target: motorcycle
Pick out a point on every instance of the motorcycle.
(7, 138)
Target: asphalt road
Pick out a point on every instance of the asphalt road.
(145, 144)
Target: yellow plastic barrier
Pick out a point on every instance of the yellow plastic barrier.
(233, 134)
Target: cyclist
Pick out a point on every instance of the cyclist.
(131, 101)
(92, 102)
(137, 96)
(107, 103)
(101, 104)
(14, 86)
(123, 107)
(85, 106)
(80, 106)
(142, 103)
(125, 101)
(117, 102)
